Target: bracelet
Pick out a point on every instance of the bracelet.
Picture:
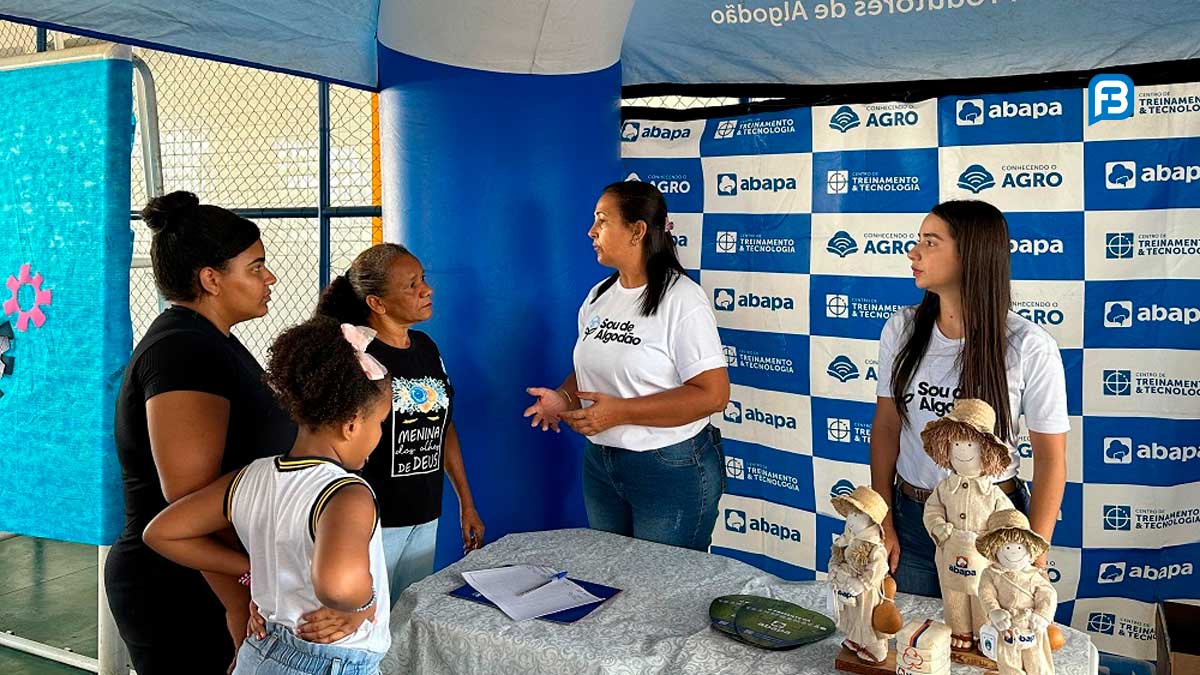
(245, 580)
(564, 392)
(368, 604)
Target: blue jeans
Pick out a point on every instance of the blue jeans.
(668, 495)
(916, 572)
(408, 554)
(282, 653)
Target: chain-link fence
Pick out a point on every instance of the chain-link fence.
(678, 102)
(249, 140)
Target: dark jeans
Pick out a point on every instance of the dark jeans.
(916, 572)
(668, 495)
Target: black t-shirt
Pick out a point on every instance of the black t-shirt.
(183, 351)
(405, 470)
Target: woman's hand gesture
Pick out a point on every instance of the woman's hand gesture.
(547, 409)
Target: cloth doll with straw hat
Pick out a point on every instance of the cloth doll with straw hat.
(958, 508)
(1019, 600)
(858, 570)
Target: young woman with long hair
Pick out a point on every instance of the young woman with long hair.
(963, 341)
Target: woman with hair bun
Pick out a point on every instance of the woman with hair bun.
(192, 406)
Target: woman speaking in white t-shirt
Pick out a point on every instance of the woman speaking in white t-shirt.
(649, 370)
(962, 341)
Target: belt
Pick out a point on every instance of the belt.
(921, 494)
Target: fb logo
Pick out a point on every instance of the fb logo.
(733, 412)
(735, 468)
(1118, 314)
(969, 112)
(837, 182)
(725, 129)
(1118, 450)
(1111, 573)
(1111, 98)
(1117, 383)
(731, 359)
(727, 184)
(735, 521)
(1118, 245)
(630, 131)
(1120, 175)
(837, 429)
(1116, 517)
(1101, 622)
(727, 242)
(723, 299)
(837, 305)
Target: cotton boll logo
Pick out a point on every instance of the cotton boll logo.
(1120, 175)
(969, 112)
(727, 184)
(1118, 450)
(735, 521)
(630, 131)
(1111, 573)
(976, 178)
(1118, 314)
(723, 299)
(733, 412)
(844, 119)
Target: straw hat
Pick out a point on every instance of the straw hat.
(1008, 525)
(974, 413)
(864, 499)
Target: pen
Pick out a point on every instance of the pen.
(556, 577)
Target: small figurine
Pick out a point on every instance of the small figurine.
(1019, 600)
(858, 568)
(958, 508)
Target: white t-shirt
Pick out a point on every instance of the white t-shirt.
(624, 354)
(274, 504)
(1036, 388)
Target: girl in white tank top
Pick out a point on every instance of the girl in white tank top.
(308, 524)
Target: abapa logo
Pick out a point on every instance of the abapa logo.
(726, 299)
(1035, 247)
(631, 131)
(735, 521)
(1120, 175)
(729, 184)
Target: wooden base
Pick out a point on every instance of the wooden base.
(972, 658)
(847, 661)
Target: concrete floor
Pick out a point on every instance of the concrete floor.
(48, 594)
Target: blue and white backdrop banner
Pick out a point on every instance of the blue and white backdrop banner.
(797, 224)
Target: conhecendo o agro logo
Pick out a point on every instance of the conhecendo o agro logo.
(844, 119)
(976, 178)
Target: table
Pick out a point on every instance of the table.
(659, 624)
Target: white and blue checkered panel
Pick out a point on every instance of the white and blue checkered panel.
(797, 223)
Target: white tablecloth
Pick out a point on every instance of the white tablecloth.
(659, 624)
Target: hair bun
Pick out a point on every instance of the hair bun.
(161, 212)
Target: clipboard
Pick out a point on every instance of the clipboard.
(466, 592)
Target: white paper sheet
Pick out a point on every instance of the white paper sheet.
(528, 591)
